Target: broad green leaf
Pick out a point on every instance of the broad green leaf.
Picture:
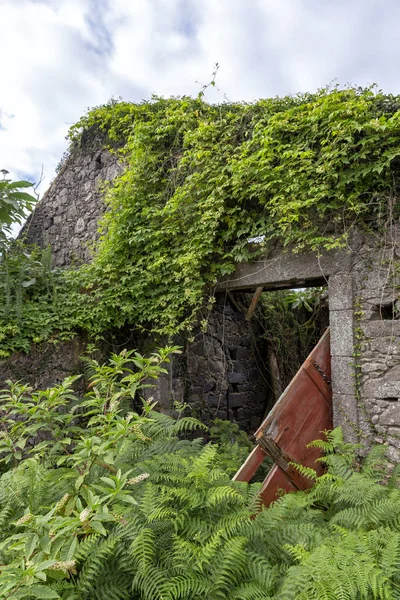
(31, 544)
(69, 550)
(98, 527)
(79, 481)
(42, 592)
(19, 184)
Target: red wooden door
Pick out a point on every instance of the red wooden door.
(300, 415)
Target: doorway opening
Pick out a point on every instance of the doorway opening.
(284, 327)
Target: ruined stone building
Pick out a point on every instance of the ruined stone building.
(220, 374)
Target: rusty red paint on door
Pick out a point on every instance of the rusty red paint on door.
(302, 412)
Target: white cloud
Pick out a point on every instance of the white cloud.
(61, 56)
(43, 79)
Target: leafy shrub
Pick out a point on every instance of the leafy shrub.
(15, 203)
(100, 502)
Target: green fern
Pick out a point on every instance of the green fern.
(120, 506)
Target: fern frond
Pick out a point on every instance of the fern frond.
(224, 494)
(142, 549)
(151, 583)
(94, 564)
(305, 471)
(191, 586)
(186, 424)
(231, 567)
(249, 591)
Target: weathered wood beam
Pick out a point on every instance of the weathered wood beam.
(254, 302)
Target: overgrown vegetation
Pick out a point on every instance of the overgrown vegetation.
(37, 302)
(293, 323)
(100, 502)
(200, 182)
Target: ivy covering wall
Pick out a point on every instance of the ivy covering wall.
(200, 181)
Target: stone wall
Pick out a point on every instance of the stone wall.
(225, 373)
(376, 275)
(46, 365)
(67, 216)
(364, 302)
(221, 374)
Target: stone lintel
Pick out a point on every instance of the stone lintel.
(287, 270)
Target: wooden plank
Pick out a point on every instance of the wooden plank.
(321, 356)
(254, 302)
(275, 481)
(285, 462)
(302, 412)
(251, 464)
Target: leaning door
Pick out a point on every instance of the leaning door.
(300, 415)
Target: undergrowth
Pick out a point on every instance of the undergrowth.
(100, 502)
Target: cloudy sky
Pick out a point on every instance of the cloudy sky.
(59, 57)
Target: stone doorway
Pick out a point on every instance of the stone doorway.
(237, 367)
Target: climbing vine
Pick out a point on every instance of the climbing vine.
(201, 181)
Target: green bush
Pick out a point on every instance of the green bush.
(15, 204)
(100, 502)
